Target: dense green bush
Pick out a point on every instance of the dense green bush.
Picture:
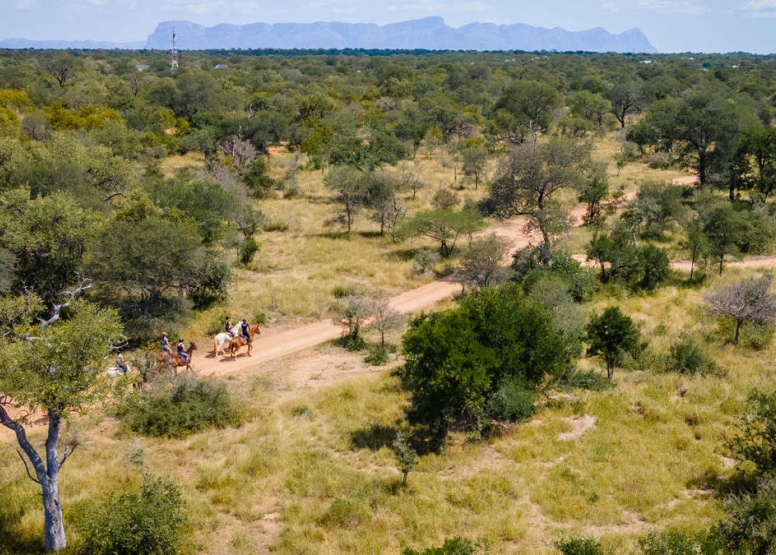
(750, 524)
(754, 439)
(579, 546)
(248, 250)
(182, 407)
(151, 522)
(687, 356)
(671, 542)
(457, 360)
(511, 402)
(452, 546)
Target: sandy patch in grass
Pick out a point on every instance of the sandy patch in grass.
(578, 427)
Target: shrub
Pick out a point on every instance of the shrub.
(687, 356)
(579, 546)
(150, 522)
(671, 542)
(178, 409)
(512, 402)
(756, 335)
(452, 546)
(275, 225)
(424, 261)
(248, 250)
(378, 356)
(754, 440)
(583, 379)
(750, 525)
(456, 360)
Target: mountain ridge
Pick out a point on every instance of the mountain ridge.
(431, 33)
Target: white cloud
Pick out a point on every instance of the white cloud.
(758, 8)
(660, 6)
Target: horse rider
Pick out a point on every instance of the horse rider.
(228, 328)
(166, 344)
(182, 354)
(245, 331)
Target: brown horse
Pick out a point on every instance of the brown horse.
(172, 360)
(237, 341)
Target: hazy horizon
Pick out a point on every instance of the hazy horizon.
(670, 25)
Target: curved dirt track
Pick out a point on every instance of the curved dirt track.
(271, 345)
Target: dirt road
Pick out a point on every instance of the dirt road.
(271, 345)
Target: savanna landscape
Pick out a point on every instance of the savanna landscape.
(508, 302)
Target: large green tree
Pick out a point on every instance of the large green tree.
(55, 368)
(457, 360)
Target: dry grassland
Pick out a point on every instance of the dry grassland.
(312, 471)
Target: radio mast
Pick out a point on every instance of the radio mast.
(174, 50)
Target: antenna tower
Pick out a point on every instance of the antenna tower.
(174, 50)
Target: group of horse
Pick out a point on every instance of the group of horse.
(233, 344)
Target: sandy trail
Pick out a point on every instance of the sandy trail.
(271, 344)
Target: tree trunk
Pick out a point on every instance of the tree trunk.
(721, 261)
(54, 528)
(739, 323)
(54, 524)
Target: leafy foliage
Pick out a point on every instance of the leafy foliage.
(179, 408)
(151, 522)
(457, 360)
(613, 335)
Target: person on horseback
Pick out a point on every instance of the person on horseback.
(182, 354)
(228, 328)
(245, 331)
(165, 344)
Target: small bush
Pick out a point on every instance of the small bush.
(259, 318)
(659, 160)
(424, 261)
(512, 402)
(750, 525)
(452, 546)
(178, 409)
(378, 356)
(351, 343)
(756, 335)
(275, 225)
(579, 546)
(346, 513)
(687, 356)
(150, 522)
(671, 542)
(248, 250)
(590, 380)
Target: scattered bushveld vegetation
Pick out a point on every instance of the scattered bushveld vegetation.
(603, 383)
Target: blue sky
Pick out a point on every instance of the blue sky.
(671, 25)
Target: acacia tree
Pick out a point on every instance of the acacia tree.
(444, 225)
(747, 300)
(612, 335)
(58, 371)
(532, 176)
(350, 186)
(481, 264)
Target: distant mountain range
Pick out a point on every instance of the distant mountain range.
(430, 34)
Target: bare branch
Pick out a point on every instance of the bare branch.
(69, 450)
(27, 468)
(57, 308)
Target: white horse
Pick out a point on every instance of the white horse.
(218, 342)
